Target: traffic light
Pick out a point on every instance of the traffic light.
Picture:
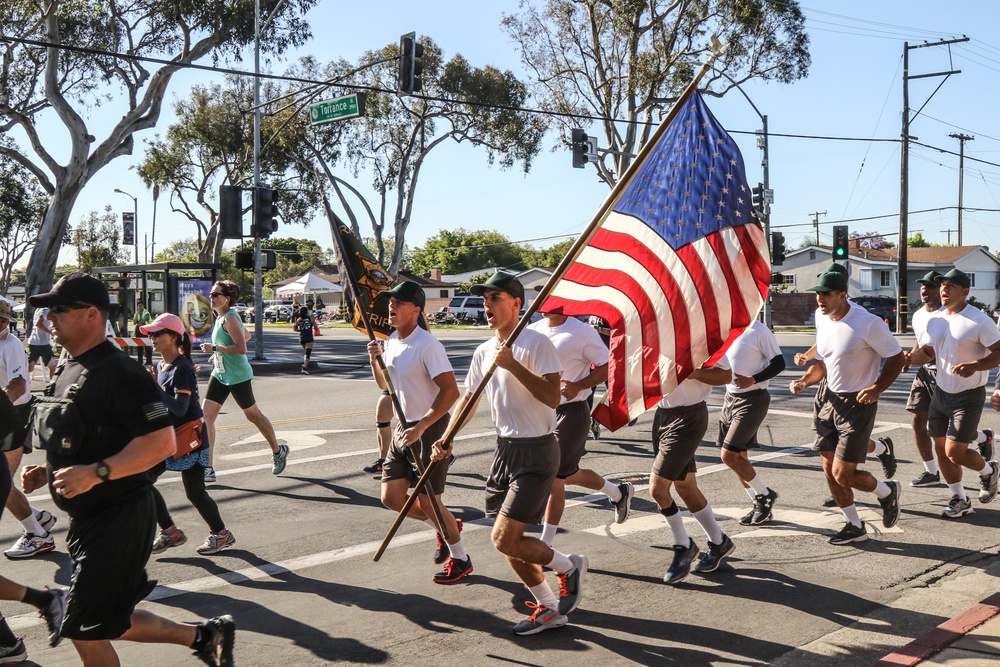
(410, 65)
(777, 248)
(230, 212)
(840, 237)
(264, 211)
(758, 197)
(243, 259)
(777, 279)
(581, 146)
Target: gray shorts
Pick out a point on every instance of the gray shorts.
(922, 389)
(677, 433)
(399, 464)
(844, 425)
(956, 416)
(572, 427)
(521, 477)
(742, 414)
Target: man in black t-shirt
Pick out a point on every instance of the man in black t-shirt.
(98, 475)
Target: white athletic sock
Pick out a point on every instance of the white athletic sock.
(32, 526)
(549, 531)
(882, 489)
(980, 437)
(932, 467)
(560, 563)
(706, 517)
(676, 524)
(458, 550)
(880, 448)
(612, 491)
(758, 485)
(851, 514)
(957, 490)
(544, 596)
(750, 492)
(987, 470)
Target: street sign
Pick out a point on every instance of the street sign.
(341, 108)
(769, 196)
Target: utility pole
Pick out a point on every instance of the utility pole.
(904, 166)
(948, 232)
(962, 138)
(816, 222)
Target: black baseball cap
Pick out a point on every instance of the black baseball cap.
(960, 278)
(930, 278)
(407, 291)
(503, 282)
(73, 288)
(831, 281)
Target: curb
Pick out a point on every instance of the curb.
(944, 635)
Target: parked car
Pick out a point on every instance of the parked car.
(883, 307)
(467, 308)
(278, 313)
(241, 309)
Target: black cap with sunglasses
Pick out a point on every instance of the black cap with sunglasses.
(74, 289)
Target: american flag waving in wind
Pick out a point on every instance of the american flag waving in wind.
(678, 266)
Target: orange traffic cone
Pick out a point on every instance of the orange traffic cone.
(316, 330)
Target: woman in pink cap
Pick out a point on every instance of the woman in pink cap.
(179, 384)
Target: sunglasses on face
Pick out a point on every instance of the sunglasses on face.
(59, 310)
(154, 334)
(215, 294)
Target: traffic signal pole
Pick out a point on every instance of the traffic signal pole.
(258, 274)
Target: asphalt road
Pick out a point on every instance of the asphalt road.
(304, 590)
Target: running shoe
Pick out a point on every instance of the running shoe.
(927, 479)
(888, 459)
(988, 484)
(890, 504)
(167, 539)
(11, 655)
(850, 533)
(279, 459)
(29, 545)
(216, 542)
(680, 567)
(763, 504)
(595, 428)
(829, 502)
(542, 619)
(986, 448)
(442, 552)
(305, 372)
(958, 507)
(218, 650)
(571, 584)
(624, 506)
(454, 570)
(46, 519)
(375, 468)
(209, 474)
(54, 614)
(712, 559)
(748, 517)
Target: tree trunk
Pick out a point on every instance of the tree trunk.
(45, 256)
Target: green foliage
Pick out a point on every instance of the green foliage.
(478, 279)
(184, 250)
(547, 257)
(98, 241)
(460, 250)
(22, 205)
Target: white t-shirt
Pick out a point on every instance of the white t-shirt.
(691, 392)
(516, 413)
(578, 346)
(413, 363)
(852, 348)
(919, 324)
(38, 335)
(14, 363)
(751, 353)
(959, 338)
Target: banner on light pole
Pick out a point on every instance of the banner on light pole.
(128, 228)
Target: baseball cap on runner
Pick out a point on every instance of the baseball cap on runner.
(167, 321)
(408, 291)
(76, 287)
(503, 282)
(830, 282)
(930, 278)
(960, 278)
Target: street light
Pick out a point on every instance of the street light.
(135, 221)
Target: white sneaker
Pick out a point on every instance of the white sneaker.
(29, 545)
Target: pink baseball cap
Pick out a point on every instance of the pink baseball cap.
(167, 321)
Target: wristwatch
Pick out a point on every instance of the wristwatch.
(103, 471)
(214, 347)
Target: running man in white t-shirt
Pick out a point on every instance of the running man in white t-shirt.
(40, 345)
(425, 385)
(584, 360)
(965, 343)
(523, 394)
(850, 343)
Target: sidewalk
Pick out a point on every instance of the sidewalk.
(971, 639)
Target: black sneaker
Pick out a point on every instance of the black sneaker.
(748, 517)
(624, 506)
(442, 553)
(762, 507)
(218, 649)
(54, 614)
(986, 448)
(890, 504)
(681, 565)
(375, 468)
(712, 559)
(595, 428)
(454, 570)
(988, 484)
(829, 502)
(571, 584)
(888, 459)
(850, 533)
(927, 479)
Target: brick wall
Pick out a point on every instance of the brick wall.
(795, 309)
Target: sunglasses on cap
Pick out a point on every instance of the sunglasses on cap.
(60, 309)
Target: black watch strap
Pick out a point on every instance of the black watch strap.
(103, 471)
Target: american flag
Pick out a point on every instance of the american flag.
(678, 266)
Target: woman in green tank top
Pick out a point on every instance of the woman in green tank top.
(232, 374)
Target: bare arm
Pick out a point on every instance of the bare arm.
(890, 371)
(446, 397)
(16, 388)
(442, 448)
(714, 376)
(139, 455)
(813, 374)
(597, 376)
(545, 388)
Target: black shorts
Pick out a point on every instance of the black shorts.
(572, 427)
(922, 389)
(109, 550)
(521, 475)
(20, 437)
(742, 414)
(677, 433)
(242, 392)
(398, 462)
(845, 426)
(43, 352)
(956, 416)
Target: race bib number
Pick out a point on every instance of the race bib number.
(218, 364)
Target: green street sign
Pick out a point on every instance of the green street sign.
(349, 106)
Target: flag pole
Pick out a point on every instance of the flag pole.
(567, 260)
(380, 362)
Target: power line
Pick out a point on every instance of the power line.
(887, 215)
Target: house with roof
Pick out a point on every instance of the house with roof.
(531, 278)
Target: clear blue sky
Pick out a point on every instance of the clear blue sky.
(854, 89)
